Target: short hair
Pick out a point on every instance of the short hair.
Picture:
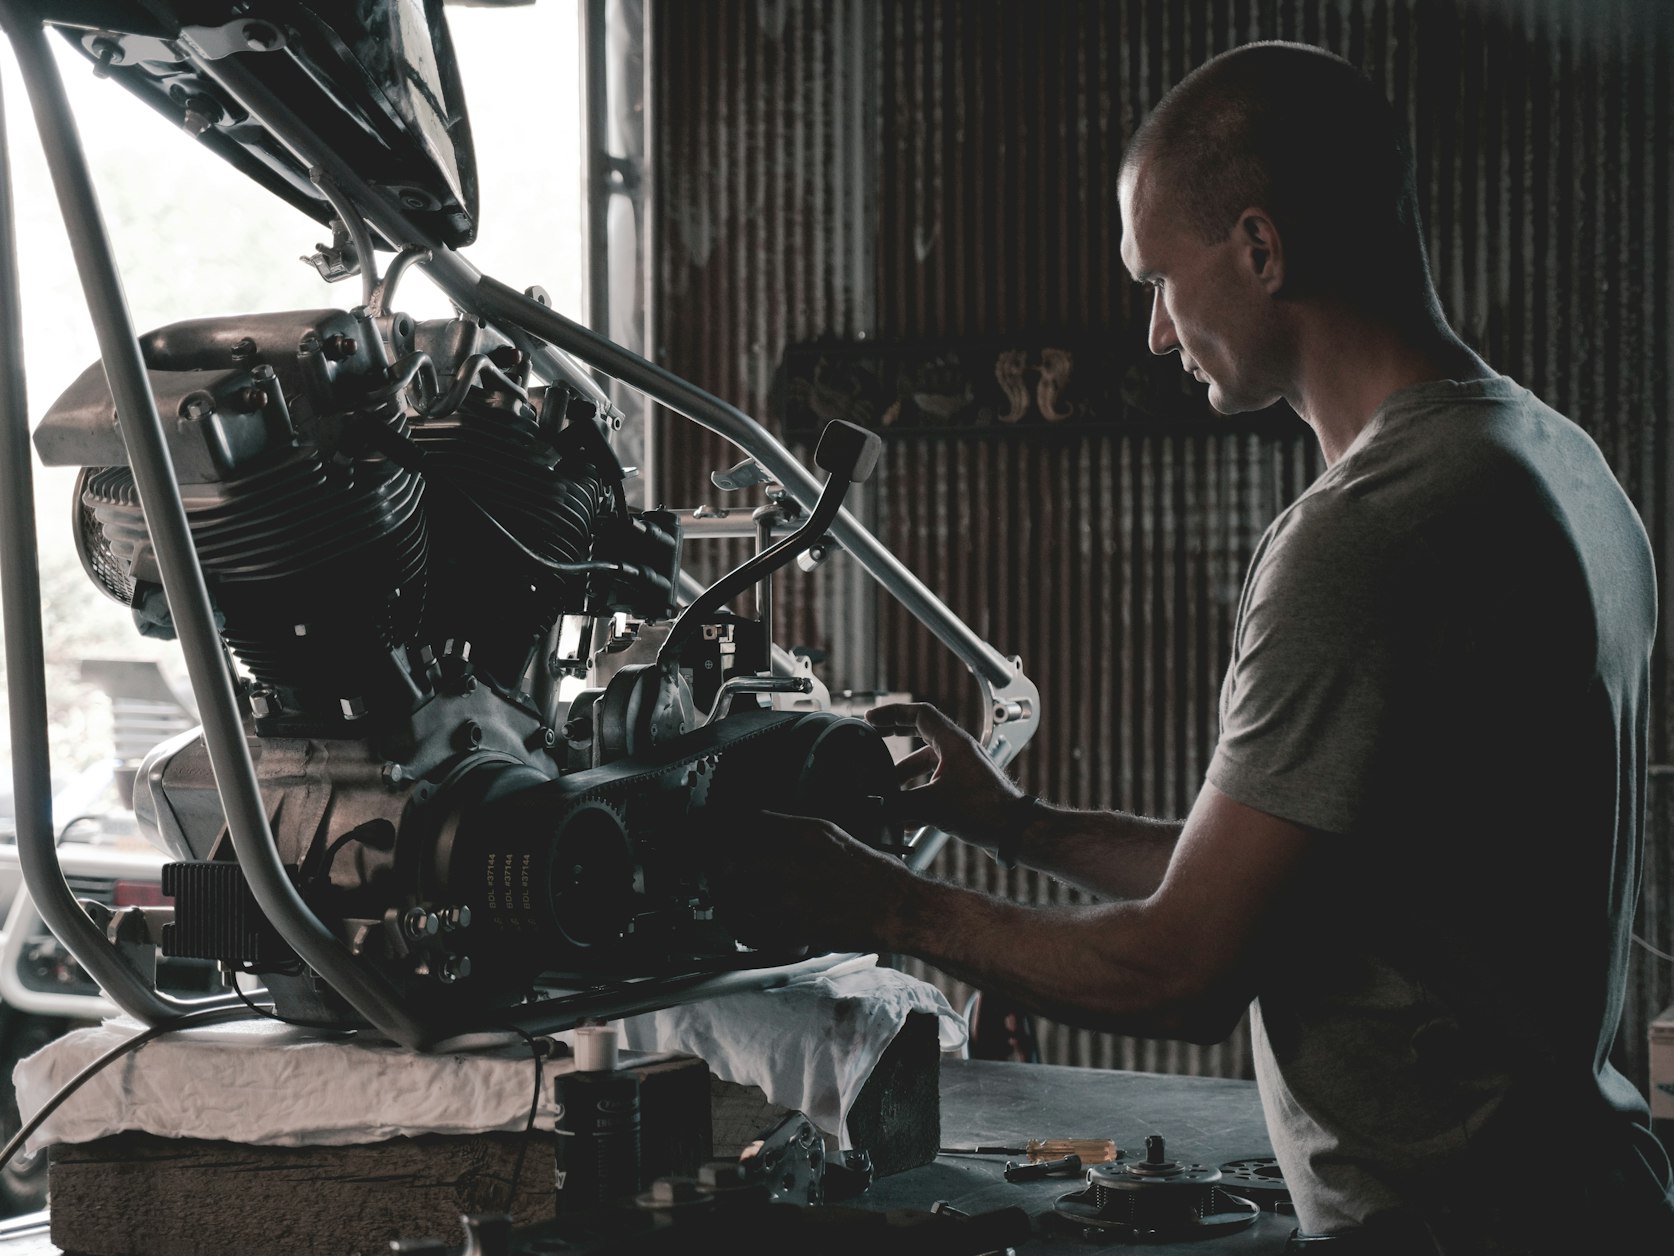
(1305, 136)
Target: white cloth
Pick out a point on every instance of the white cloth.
(810, 1045)
(259, 1082)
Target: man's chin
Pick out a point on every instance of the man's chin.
(1224, 402)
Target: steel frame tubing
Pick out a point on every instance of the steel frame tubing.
(1011, 702)
(188, 599)
(494, 300)
(20, 590)
(367, 991)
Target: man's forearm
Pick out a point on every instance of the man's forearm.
(1097, 966)
(1108, 853)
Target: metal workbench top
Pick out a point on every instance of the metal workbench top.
(1205, 1120)
(1202, 1119)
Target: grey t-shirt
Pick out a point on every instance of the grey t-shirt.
(1441, 661)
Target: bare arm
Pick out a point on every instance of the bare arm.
(1179, 962)
(1108, 853)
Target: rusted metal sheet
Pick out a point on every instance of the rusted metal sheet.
(909, 175)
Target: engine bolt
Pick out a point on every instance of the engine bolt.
(108, 52)
(420, 923)
(468, 736)
(578, 729)
(353, 708)
(456, 918)
(394, 774)
(543, 738)
(244, 350)
(337, 347)
(262, 702)
(455, 968)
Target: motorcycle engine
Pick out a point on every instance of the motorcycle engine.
(435, 601)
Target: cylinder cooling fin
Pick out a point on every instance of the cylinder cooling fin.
(359, 506)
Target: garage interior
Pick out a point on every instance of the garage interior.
(903, 214)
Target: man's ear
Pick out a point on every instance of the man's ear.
(1264, 251)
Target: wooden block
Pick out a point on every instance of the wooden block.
(137, 1194)
(897, 1116)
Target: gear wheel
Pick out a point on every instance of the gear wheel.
(590, 874)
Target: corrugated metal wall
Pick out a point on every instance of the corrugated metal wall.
(909, 178)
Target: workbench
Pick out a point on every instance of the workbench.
(1202, 1119)
(1207, 1120)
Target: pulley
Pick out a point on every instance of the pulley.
(1156, 1199)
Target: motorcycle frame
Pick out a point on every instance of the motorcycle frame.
(561, 350)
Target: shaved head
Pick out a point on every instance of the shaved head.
(1304, 137)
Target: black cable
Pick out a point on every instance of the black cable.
(270, 1014)
(207, 1016)
(538, 1053)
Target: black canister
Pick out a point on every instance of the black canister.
(597, 1149)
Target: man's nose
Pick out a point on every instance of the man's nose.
(1162, 338)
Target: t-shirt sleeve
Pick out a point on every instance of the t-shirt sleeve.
(1310, 690)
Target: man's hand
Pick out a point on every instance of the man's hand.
(966, 796)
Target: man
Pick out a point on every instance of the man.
(1418, 845)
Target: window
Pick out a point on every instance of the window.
(194, 238)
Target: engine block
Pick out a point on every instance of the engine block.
(421, 567)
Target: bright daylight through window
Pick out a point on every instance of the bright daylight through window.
(194, 238)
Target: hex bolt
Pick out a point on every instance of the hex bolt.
(420, 922)
(353, 708)
(394, 774)
(580, 728)
(456, 918)
(108, 52)
(455, 968)
(244, 350)
(543, 738)
(468, 736)
(197, 407)
(263, 703)
(338, 347)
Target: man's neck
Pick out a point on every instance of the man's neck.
(1351, 364)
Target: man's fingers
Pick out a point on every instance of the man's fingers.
(914, 717)
(920, 761)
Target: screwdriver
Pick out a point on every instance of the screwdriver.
(1091, 1150)
(1029, 1170)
